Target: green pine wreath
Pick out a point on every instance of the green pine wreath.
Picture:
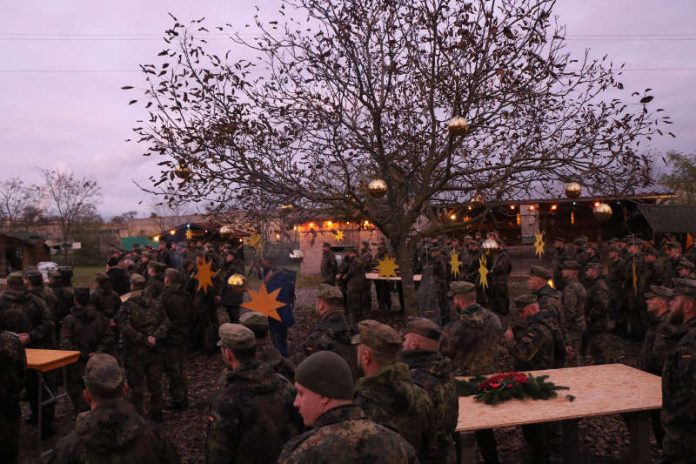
(499, 388)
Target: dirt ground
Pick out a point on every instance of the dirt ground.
(605, 440)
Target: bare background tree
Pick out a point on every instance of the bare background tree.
(16, 198)
(341, 92)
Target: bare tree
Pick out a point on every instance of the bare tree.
(15, 198)
(342, 92)
(70, 200)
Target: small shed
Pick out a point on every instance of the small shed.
(128, 242)
(19, 250)
(670, 219)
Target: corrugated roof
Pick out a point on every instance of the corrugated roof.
(670, 218)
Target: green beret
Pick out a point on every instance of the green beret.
(458, 286)
(236, 337)
(424, 327)
(330, 293)
(582, 240)
(570, 265)
(685, 264)
(540, 271)
(102, 371)
(659, 291)
(377, 336)
(686, 287)
(326, 374)
(559, 239)
(254, 320)
(524, 300)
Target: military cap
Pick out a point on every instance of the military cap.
(424, 327)
(171, 272)
(326, 374)
(468, 237)
(157, 266)
(236, 337)
(559, 239)
(614, 249)
(686, 287)
(136, 278)
(15, 277)
(330, 293)
(101, 277)
(685, 264)
(540, 271)
(458, 287)
(570, 265)
(580, 240)
(81, 295)
(524, 300)
(254, 320)
(594, 265)
(612, 241)
(377, 336)
(102, 371)
(659, 291)
(675, 245)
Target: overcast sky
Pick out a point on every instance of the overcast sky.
(62, 65)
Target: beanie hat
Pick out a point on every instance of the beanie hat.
(326, 374)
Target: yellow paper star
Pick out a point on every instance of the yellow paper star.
(483, 272)
(204, 275)
(254, 240)
(189, 234)
(264, 302)
(539, 244)
(455, 264)
(338, 235)
(387, 267)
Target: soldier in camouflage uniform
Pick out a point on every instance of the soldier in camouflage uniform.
(532, 347)
(332, 332)
(670, 263)
(387, 393)
(685, 269)
(550, 304)
(499, 268)
(615, 282)
(596, 314)
(633, 296)
(104, 298)
(341, 432)
(112, 431)
(368, 264)
(87, 331)
(266, 353)
(13, 365)
(252, 416)
(178, 305)
(574, 298)
(433, 373)
(64, 295)
(471, 342)
(561, 253)
(356, 286)
(155, 279)
(144, 325)
(679, 381)
(35, 284)
(328, 265)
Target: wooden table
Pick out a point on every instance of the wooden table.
(598, 391)
(400, 290)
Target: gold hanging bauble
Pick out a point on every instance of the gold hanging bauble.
(182, 171)
(573, 189)
(602, 212)
(236, 280)
(377, 188)
(457, 126)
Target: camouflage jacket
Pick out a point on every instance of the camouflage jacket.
(533, 346)
(106, 302)
(139, 318)
(355, 276)
(550, 300)
(328, 268)
(22, 312)
(155, 285)
(573, 316)
(500, 268)
(660, 338)
(13, 364)
(114, 433)
(87, 331)
(471, 341)
(433, 373)
(559, 256)
(178, 304)
(332, 334)
(252, 416)
(679, 398)
(267, 354)
(615, 277)
(597, 308)
(392, 399)
(47, 295)
(344, 435)
(64, 295)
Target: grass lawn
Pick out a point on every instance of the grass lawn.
(83, 276)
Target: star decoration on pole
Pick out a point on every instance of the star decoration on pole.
(539, 244)
(204, 275)
(387, 267)
(483, 272)
(455, 264)
(338, 235)
(189, 234)
(264, 302)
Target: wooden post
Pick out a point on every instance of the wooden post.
(571, 442)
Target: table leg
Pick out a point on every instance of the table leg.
(40, 405)
(467, 447)
(639, 429)
(571, 442)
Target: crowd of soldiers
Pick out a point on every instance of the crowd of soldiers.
(364, 393)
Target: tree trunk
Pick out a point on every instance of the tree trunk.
(404, 259)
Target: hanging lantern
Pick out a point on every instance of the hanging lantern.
(182, 172)
(236, 280)
(490, 245)
(573, 189)
(602, 212)
(457, 126)
(226, 230)
(377, 188)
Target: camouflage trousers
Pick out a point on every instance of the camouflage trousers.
(75, 385)
(174, 368)
(144, 371)
(594, 342)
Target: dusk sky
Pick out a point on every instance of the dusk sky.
(62, 65)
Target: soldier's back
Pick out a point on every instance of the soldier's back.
(472, 341)
(534, 346)
(332, 333)
(267, 354)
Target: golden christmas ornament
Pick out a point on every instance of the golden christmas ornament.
(490, 245)
(236, 280)
(182, 171)
(573, 189)
(377, 188)
(457, 126)
(602, 212)
(226, 230)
